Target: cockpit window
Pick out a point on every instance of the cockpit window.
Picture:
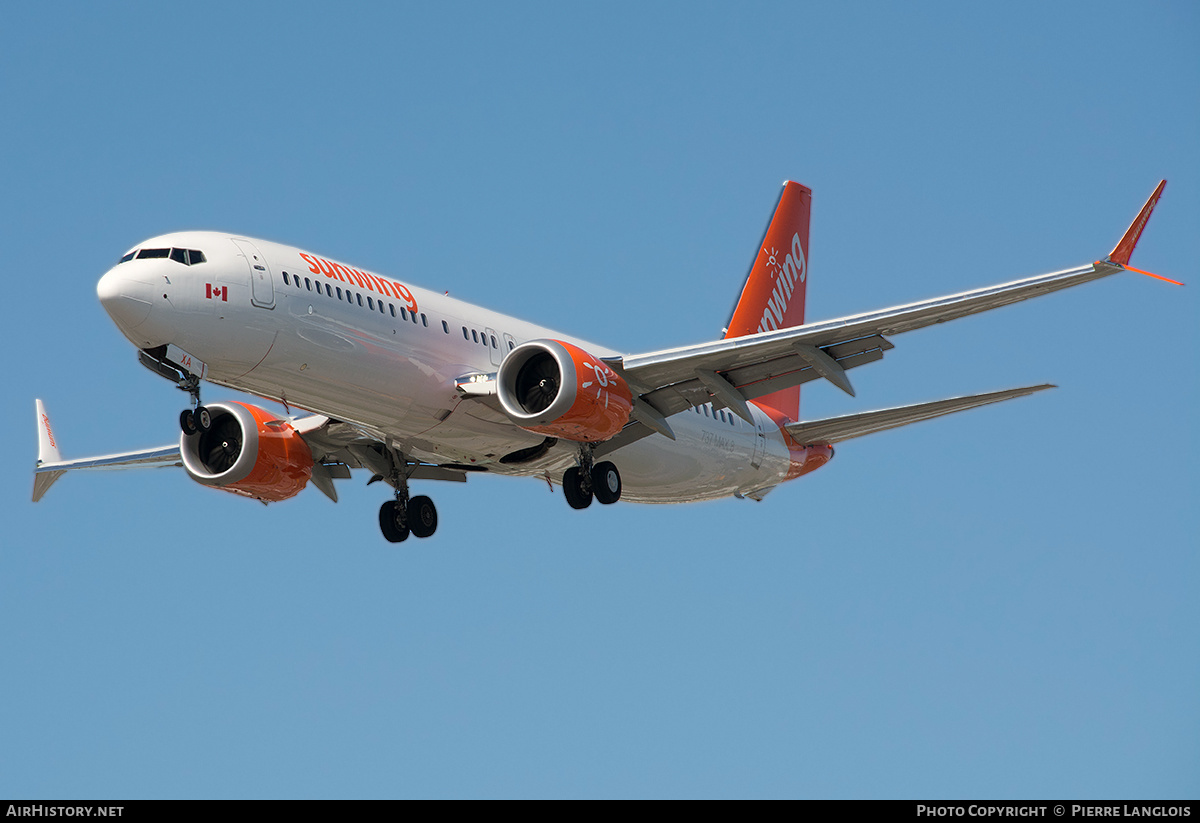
(188, 257)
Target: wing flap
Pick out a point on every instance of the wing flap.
(836, 429)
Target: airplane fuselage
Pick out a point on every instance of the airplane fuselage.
(385, 356)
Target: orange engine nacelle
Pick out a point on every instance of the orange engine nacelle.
(557, 389)
(247, 452)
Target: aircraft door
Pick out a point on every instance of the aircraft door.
(493, 344)
(262, 290)
(760, 443)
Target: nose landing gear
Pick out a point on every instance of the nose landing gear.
(198, 419)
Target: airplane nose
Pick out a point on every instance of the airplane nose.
(126, 301)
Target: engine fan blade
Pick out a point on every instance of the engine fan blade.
(539, 384)
(221, 445)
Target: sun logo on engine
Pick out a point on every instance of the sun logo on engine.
(600, 372)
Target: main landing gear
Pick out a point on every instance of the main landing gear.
(600, 480)
(196, 419)
(403, 516)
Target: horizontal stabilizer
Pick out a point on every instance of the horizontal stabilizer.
(836, 429)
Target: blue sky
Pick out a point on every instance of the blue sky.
(997, 604)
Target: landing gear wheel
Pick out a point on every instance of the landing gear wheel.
(187, 422)
(392, 522)
(578, 492)
(422, 516)
(606, 482)
(203, 419)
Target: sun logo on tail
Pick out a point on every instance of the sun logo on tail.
(772, 261)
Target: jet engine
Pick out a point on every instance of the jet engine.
(557, 389)
(248, 451)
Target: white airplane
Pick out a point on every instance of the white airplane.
(411, 384)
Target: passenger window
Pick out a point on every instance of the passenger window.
(424, 320)
(286, 280)
(475, 335)
(308, 284)
(371, 303)
(359, 298)
(445, 327)
(465, 333)
(511, 345)
(412, 315)
(328, 291)
(494, 346)
(381, 307)
(392, 308)
(179, 256)
(339, 291)
(403, 313)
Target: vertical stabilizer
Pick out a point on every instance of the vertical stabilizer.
(773, 296)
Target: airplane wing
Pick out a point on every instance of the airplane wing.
(336, 447)
(729, 372)
(758, 364)
(51, 466)
(836, 429)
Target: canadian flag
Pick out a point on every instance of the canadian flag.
(216, 292)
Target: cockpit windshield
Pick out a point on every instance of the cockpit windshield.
(188, 257)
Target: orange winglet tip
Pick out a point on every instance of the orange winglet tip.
(1152, 274)
(1124, 249)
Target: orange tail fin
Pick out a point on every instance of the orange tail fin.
(773, 296)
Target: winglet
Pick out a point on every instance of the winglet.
(47, 447)
(1124, 250)
(47, 453)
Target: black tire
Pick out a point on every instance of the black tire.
(187, 422)
(203, 419)
(606, 482)
(392, 523)
(578, 493)
(422, 516)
